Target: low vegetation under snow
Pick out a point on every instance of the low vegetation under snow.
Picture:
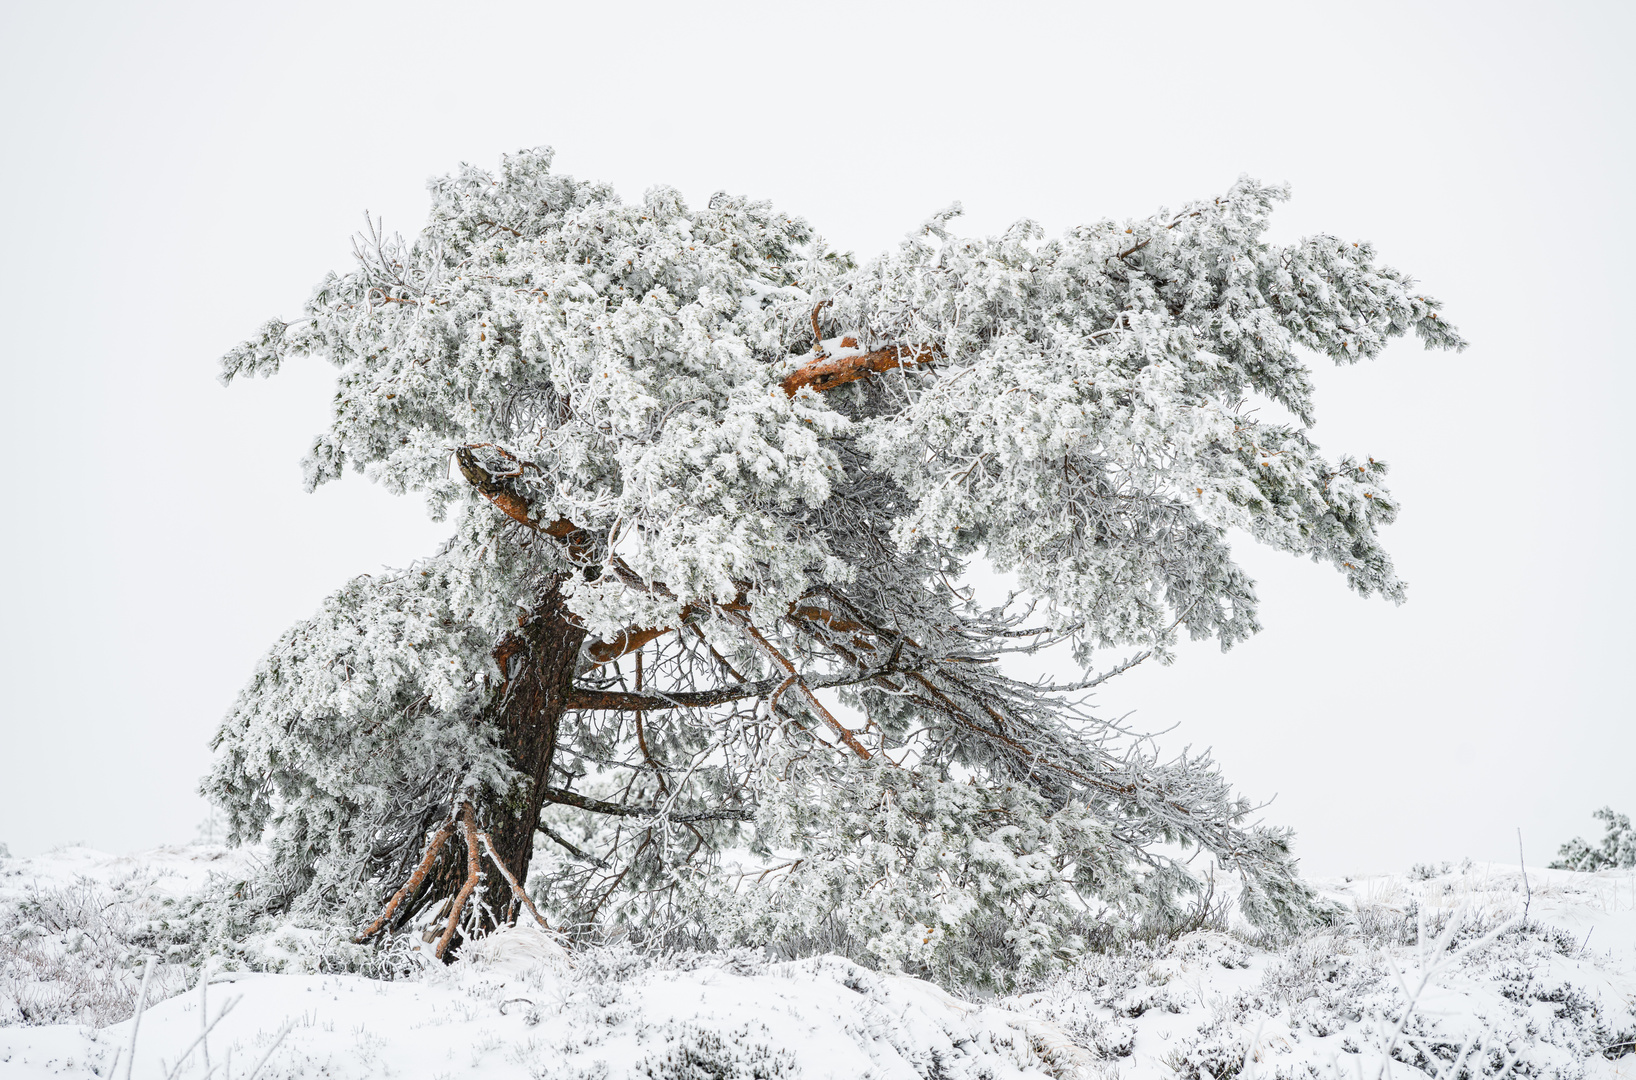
(1444, 971)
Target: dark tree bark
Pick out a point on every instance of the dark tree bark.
(531, 706)
(537, 664)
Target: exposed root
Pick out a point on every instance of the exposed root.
(474, 873)
(517, 891)
(442, 835)
(477, 843)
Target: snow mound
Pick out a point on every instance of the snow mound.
(1425, 968)
(1474, 966)
(614, 1017)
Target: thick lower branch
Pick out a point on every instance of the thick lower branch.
(628, 701)
(518, 893)
(433, 846)
(597, 806)
(474, 874)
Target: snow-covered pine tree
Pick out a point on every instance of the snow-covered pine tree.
(1616, 852)
(702, 624)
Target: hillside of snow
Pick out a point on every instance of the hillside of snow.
(1443, 971)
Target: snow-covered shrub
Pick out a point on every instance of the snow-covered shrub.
(1382, 924)
(72, 948)
(1427, 871)
(73, 952)
(1218, 1052)
(1617, 851)
(1466, 978)
(693, 1052)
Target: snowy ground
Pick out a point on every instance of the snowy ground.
(1549, 999)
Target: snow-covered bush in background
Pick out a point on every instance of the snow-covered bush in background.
(76, 928)
(70, 953)
(1617, 851)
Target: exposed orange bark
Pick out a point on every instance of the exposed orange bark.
(468, 825)
(625, 641)
(518, 893)
(514, 506)
(827, 372)
(828, 618)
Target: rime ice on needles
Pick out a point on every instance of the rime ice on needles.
(760, 468)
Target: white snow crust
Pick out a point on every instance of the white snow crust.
(1546, 999)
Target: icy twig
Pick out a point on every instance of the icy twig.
(204, 1013)
(1246, 1068)
(285, 1030)
(136, 1020)
(1524, 864)
(176, 1068)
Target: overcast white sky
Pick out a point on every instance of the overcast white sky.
(174, 175)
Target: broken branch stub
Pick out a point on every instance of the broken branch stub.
(828, 372)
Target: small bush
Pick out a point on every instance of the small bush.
(71, 954)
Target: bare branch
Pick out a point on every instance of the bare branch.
(598, 806)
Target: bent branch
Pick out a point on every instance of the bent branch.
(841, 731)
(513, 505)
(518, 893)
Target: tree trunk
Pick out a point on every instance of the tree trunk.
(537, 663)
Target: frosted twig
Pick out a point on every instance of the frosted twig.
(136, 1021)
(177, 1066)
(285, 1030)
(1098, 679)
(1523, 863)
(204, 1012)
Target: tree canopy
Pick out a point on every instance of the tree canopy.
(704, 623)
